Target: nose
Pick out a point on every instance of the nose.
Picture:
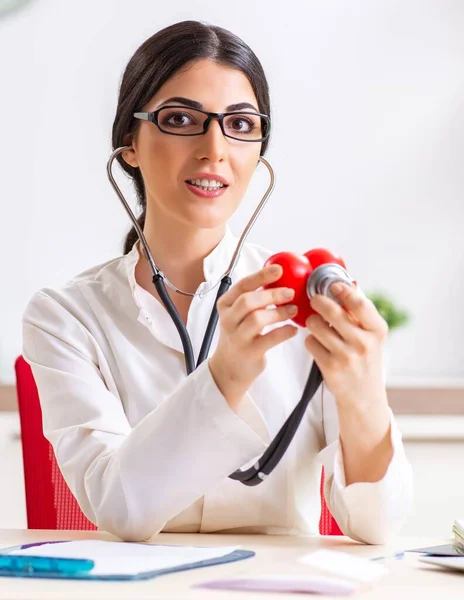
(212, 146)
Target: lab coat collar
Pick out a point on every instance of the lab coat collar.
(151, 312)
(214, 264)
(218, 260)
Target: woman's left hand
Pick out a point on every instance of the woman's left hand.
(349, 351)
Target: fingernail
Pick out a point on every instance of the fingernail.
(288, 293)
(336, 288)
(275, 269)
(291, 309)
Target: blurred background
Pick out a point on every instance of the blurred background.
(368, 140)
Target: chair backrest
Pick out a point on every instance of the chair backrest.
(327, 524)
(49, 501)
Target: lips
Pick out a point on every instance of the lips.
(203, 192)
(204, 175)
(207, 185)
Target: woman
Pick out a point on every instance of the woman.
(143, 447)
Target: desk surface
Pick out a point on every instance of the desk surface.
(275, 555)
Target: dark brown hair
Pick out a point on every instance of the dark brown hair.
(158, 59)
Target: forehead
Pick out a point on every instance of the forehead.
(213, 85)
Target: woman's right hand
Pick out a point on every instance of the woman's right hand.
(243, 313)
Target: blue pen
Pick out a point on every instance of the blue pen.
(397, 556)
(11, 563)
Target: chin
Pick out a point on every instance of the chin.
(208, 217)
(208, 223)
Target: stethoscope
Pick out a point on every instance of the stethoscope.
(277, 448)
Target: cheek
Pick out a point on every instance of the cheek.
(161, 160)
(245, 166)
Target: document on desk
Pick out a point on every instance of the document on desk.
(453, 563)
(331, 572)
(125, 560)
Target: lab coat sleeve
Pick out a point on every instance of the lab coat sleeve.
(367, 512)
(128, 481)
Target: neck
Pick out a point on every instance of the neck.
(179, 251)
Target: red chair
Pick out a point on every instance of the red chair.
(49, 502)
(327, 524)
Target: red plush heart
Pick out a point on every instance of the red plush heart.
(297, 268)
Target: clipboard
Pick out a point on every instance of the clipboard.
(46, 563)
(443, 550)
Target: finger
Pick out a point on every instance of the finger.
(252, 282)
(275, 337)
(327, 336)
(362, 309)
(341, 320)
(320, 354)
(249, 302)
(254, 323)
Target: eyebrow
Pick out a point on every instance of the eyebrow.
(199, 105)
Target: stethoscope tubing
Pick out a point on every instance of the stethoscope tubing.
(257, 473)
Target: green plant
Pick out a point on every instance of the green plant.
(394, 316)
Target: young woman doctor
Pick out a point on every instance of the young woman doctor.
(143, 447)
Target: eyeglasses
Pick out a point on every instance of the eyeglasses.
(180, 120)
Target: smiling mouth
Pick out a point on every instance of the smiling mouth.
(207, 185)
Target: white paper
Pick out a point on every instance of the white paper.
(125, 558)
(344, 565)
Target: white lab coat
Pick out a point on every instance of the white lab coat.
(144, 448)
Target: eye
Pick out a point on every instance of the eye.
(241, 124)
(177, 119)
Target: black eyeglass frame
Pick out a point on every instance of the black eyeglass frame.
(153, 117)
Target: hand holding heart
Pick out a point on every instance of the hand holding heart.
(347, 335)
(296, 271)
(348, 351)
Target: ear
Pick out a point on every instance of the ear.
(130, 156)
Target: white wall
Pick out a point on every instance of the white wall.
(368, 148)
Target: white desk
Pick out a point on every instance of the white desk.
(274, 555)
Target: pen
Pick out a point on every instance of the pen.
(397, 555)
(10, 563)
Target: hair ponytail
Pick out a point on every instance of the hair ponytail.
(132, 236)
